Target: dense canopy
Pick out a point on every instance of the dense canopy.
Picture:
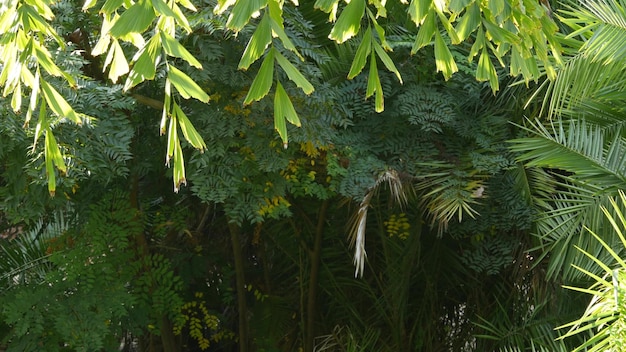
(348, 175)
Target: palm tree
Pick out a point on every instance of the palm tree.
(582, 142)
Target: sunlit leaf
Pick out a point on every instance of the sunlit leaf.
(242, 12)
(189, 131)
(58, 104)
(283, 109)
(362, 53)
(293, 74)
(173, 48)
(263, 80)
(136, 19)
(349, 21)
(443, 58)
(259, 41)
(185, 85)
(387, 61)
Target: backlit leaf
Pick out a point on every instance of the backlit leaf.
(362, 52)
(259, 41)
(185, 85)
(349, 21)
(263, 80)
(293, 74)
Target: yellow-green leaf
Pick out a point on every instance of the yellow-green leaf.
(362, 52)
(418, 10)
(374, 85)
(189, 131)
(145, 63)
(259, 41)
(58, 104)
(185, 85)
(469, 22)
(172, 140)
(328, 6)
(279, 31)
(283, 109)
(115, 57)
(53, 157)
(293, 74)
(263, 80)
(443, 58)
(173, 48)
(425, 32)
(349, 21)
(242, 12)
(136, 19)
(384, 57)
(486, 71)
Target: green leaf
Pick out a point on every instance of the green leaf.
(418, 10)
(44, 59)
(145, 63)
(115, 57)
(362, 52)
(469, 22)
(185, 85)
(486, 71)
(448, 26)
(283, 109)
(136, 19)
(374, 86)
(259, 41)
(328, 6)
(294, 74)
(242, 12)
(443, 58)
(53, 157)
(173, 48)
(425, 33)
(349, 21)
(189, 131)
(263, 80)
(384, 57)
(111, 6)
(58, 104)
(279, 31)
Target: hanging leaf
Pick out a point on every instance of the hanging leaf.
(53, 157)
(115, 57)
(349, 21)
(425, 33)
(418, 10)
(173, 48)
(189, 131)
(58, 104)
(374, 86)
(242, 12)
(263, 80)
(443, 58)
(259, 41)
(384, 57)
(293, 74)
(486, 71)
(144, 67)
(185, 85)
(283, 109)
(136, 19)
(362, 52)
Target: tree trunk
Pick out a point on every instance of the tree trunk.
(242, 306)
(316, 256)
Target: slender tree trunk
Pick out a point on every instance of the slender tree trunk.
(316, 256)
(242, 306)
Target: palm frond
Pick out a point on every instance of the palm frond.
(603, 318)
(578, 148)
(399, 193)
